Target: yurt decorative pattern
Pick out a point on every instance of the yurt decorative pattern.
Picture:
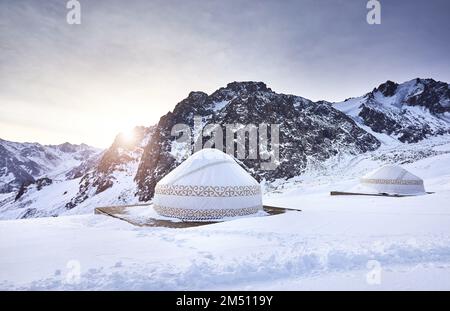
(391, 181)
(208, 191)
(204, 215)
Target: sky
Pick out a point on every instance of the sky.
(130, 62)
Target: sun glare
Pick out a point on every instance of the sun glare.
(128, 135)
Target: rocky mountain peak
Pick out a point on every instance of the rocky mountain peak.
(72, 148)
(434, 95)
(67, 147)
(410, 111)
(247, 87)
(195, 102)
(428, 93)
(387, 89)
(196, 95)
(307, 130)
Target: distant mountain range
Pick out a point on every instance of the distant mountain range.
(410, 111)
(24, 163)
(37, 180)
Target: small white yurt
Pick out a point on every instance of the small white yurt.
(393, 180)
(209, 185)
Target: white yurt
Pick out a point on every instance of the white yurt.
(393, 180)
(209, 185)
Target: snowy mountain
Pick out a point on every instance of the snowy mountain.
(410, 112)
(101, 179)
(308, 131)
(395, 123)
(24, 163)
(115, 170)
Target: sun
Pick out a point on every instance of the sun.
(128, 135)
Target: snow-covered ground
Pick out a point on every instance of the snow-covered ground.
(348, 242)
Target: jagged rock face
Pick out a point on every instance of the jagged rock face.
(382, 122)
(428, 93)
(433, 95)
(43, 182)
(12, 172)
(123, 152)
(388, 89)
(410, 111)
(307, 129)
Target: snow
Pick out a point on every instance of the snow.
(51, 199)
(446, 117)
(445, 103)
(7, 179)
(334, 243)
(350, 107)
(220, 105)
(122, 192)
(180, 150)
(47, 201)
(418, 277)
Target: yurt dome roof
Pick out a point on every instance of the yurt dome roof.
(393, 172)
(393, 179)
(210, 167)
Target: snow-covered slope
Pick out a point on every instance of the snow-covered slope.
(106, 179)
(410, 111)
(113, 177)
(369, 243)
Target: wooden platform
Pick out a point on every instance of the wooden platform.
(125, 213)
(373, 194)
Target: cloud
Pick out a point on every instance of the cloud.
(129, 62)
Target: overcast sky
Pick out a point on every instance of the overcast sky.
(129, 62)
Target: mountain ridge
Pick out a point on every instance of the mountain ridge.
(409, 111)
(248, 103)
(25, 162)
(313, 132)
